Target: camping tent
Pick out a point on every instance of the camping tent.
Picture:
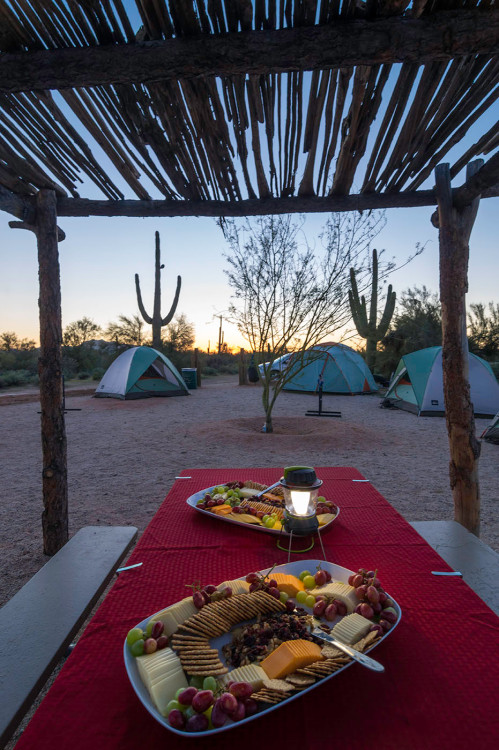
(341, 368)
(141, 372)
(491, 433)
(417, 384)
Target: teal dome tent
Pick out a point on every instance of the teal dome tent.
(341, 369)
(141, 372)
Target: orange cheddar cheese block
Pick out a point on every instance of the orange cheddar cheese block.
(290, 584)
(290, 656)
(222, 510)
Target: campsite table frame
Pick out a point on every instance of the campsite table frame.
(441, 663)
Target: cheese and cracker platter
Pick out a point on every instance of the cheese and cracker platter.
(249, 503)
(231, 652)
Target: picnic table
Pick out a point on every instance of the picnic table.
(439, 689)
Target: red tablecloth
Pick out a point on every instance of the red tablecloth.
(442, 668)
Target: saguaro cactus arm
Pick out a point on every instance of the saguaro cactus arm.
(166, 320)
(358, 307)
(391, 298)
(142, 309)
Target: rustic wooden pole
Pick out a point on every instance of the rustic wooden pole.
(454, 232)
(243, 370)
(197, 365)
(54, 474)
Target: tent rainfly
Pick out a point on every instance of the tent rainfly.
(341, 369)
(417, 384)
(491, 433)
(141, 372)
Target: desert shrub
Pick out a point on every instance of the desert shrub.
(84, 375)
(209, 371)
(98, 373)
(17, 377)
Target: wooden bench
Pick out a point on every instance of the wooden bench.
(464, 552)
(40, 621)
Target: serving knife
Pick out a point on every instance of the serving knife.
(363, 659)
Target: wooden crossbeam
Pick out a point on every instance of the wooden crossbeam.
(439, 36)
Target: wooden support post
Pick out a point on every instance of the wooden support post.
(197, 365)
(455, 227)
(243, 370)
(54, 475)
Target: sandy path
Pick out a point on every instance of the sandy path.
(123, 457)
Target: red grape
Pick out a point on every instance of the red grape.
(198, 599)
(228, 703)
(241, 689)
(272, 584)
(340, 606)
(382, 597)
(376, 607)
(176, 719)
(211, 503)
(366, 611)
(328, 576)
(218, 715)
(360, 592)
(227, 592)
(197, 723)
(186, 696)
(210, 588)
(370, 573)
(385, 624)
(330, 612)
(162, 642)
(320, 577)
(202, 701)
(255, 586)
(350, 579)
(150, 646)
(274, 592)
(240, 712)
(251, 707)
(377, 628)
(319, 608)
(157, 629)
(252, 578)
(290, 604)
(372, 594)
(205, 596)
(390, 615)
(358, 580)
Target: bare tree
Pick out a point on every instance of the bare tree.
(285, 295)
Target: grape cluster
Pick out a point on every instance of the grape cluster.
(147, 641)
(196, 710)
(208, 594)
(374, 602)
(227, 494)
(258, 582)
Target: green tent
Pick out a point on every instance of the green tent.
(141, 372)
(417, 384)
(492, 432)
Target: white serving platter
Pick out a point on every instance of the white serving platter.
(294, 568)
(194, 499)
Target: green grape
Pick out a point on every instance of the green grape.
(137, 647)
(321, 499)
(189, 711)
(265, 517)
(174, 706)
(209, 683)
(180, 690)
(149, 627)
(301, 597)
(309, 582)
(283, 597)
(310, 601)
(303, 574)
(269, 522)
(230, 493)
(133, 635)
(219, 490)
(207, 713)
(196, 682)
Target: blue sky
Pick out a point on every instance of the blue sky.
(101, 255)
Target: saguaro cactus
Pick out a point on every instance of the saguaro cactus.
(370, 329)
(156, 320)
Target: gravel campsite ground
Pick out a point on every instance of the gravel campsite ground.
(123, 458)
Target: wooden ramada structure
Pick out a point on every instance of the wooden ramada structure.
(245, 107)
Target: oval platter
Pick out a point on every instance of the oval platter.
(338, 573)
(193, 500)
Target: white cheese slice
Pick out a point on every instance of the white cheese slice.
(237, 586)
(337, 590)
(164, 691)
(251, 673)
(351, 628)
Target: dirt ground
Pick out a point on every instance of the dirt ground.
(123, 458)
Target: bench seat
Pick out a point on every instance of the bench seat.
(40, 621)
(464, 552)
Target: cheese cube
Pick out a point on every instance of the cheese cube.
(251, 673)
(290, 656)
(337, 590)
(290, 584)
(351, 628)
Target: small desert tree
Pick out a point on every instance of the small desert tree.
(285, 295)
(127, 331)
(79, 332)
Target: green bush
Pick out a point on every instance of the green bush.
(17, 377)
(208, 371)
(83, 375)
(98, 373)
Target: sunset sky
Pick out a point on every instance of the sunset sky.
(101, 255)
